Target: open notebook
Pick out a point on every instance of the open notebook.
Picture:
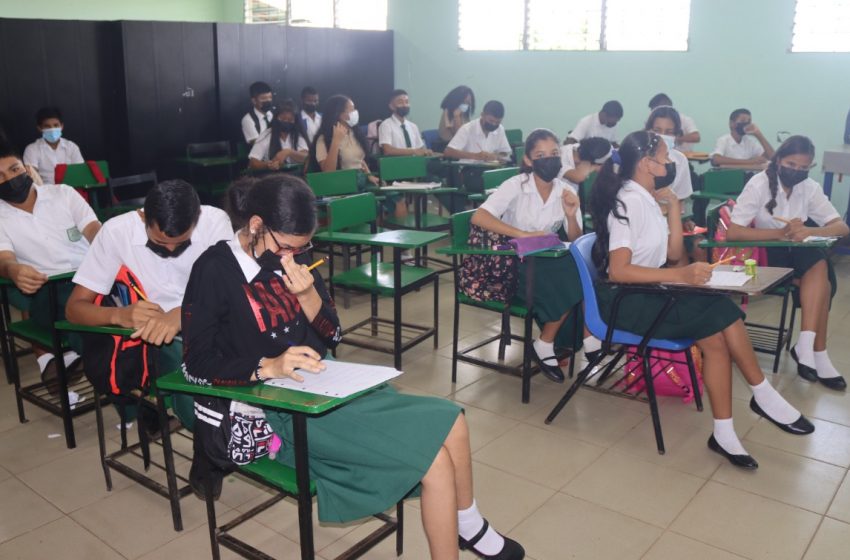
(339, 380)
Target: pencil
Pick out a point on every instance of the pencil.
(317, 263)
(137, 290)
(724, 261)
(783, 220)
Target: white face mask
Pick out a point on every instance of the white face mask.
(353, 118)
(463, 107)
(669, 140)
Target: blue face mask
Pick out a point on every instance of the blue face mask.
(51, 134)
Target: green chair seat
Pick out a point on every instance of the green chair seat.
(427, 221)
(275, 474)
(361, 278)
(515, 309)
(32, 332)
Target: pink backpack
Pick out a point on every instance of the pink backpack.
(738, 254)
(670, 373)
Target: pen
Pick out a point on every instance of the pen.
(317, 263)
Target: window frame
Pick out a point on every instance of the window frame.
(287, 11)
(794, 33)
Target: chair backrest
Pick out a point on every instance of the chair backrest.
(133, 188)
(208, 149)
(351, 211)
(584, 191)
(403, 167)
(725, 181)
(581, 250)
(79, 175)
(459, 224)
(430, 137)
(333, 183)
(514, 136)
(495, 177)
(519, 152)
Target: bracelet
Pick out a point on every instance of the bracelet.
(259, 377)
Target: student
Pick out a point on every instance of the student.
(158, 244)
(578, 161)
(636, 243)
(382, 441)
(781, 200)
(602, 124)
(690, 134)
(458, 107)
(257, 120)
(482, 139)
(744, 145)
(537, 202)
(44, 230)
(51, 149)
(396, 134)
(311, 118)
(284, 144)
(665, 121)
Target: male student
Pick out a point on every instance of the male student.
(51, 149)
(602, 124)
(690, 134)
(311, 118)
(398, 136)
(44, 230)
(158, 244)
(744, 145)
(257, 120)
(482, 139)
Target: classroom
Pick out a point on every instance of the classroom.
(455, 279)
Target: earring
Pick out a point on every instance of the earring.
(253, 232)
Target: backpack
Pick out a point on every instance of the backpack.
(671, 377)
(488, 277)
(738, 254)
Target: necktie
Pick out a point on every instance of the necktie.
(406, 136)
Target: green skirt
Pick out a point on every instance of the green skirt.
(556, 290)
(694, 316)
(370, 453)
(801, 259)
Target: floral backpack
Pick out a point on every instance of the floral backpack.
(488, 277)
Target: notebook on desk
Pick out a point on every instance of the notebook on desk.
(339, 379)
(411, 186)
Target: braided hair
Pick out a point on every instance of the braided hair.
(794, 145)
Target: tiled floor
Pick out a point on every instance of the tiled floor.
(589, 486)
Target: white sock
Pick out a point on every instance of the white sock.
(546, 350)
(69, 357)
(43, 360)
(592, 344)
(724, 433)
(824, 366)
(805, 348)
(469, 522)
(772, 402)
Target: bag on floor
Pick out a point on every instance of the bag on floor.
(669, 371)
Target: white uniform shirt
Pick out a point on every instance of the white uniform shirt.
(518, 203)
(471, 138)
(51, 238)
(311, 126)
(688, 126)
(390, 132)
(260, 148)
(748, 148)
(40, 155)
(805, 201)
(249, 130)
(646, 231)
(682, 185)
(590, 127)
(568, 154)
(121, 241)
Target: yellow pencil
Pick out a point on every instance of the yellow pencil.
(317, 263)
(137, 290)
(724, 261)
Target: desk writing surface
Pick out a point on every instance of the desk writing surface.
(825, 244)
(837, 160)
(404, 239)
(113, 330)
(766, 278)
(744, 167)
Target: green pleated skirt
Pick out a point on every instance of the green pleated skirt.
(556, 290)
(372, 452)
(801, 259)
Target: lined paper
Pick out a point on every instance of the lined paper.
(339, 379)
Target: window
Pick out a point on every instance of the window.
(574, 25)
(821, 26)
(348, 14)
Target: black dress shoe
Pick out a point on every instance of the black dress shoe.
(554, 373)
(800, 427)
(804, 371)
(835, 383)
(742, 461)
(511, 551)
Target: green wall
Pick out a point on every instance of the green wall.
(160, 10)
(738, 57)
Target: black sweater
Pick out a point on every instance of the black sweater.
(229, 324)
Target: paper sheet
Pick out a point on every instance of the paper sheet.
(727, 278)
(410, 185)
(339, 379)
(818, 238)
(479, 162)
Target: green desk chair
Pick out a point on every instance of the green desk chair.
(491, 179)
(414, 168)
(79, 176)
(132, 190)
(519, 153)
(210, 167)
(514, 136)
(717, 184)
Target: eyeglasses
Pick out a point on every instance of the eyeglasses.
(798, 167)
(287, 250)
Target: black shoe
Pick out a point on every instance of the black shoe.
(835, 383)
(804, 371)
(198, 479)
(554, 373)
(511, 551)
(800, 427)
(742, 461)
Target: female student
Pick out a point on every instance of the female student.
(578, 161)
(636, 243)
(266, 316)
(781, 200)
(285, 142)
(458, 106)
(537, 202)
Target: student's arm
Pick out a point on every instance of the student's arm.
(457, 147)
(26, 278)
(748, 204)
(75, 155)
(504, 147)
(390, 150)
(572, 214)
(91, 230)
(314, 299)
(621, 270)
(82, 310)
(675, 240)
(768, 149)
(690, 138)
(84, 217)
(723, 160)
(249, 132)
(580, 173)
(485, 220)
(332, 155)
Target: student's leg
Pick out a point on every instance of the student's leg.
(824, 366)
(814, 296)
(550, 329)
(439, 507)
(717, 374)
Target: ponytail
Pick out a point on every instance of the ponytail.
(793, 145)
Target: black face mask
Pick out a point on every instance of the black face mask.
(547, 168)
(666, 180)
(269, 261)
(488, 126)
(791, 177)
(402, 111)
(309, 108)
(17, 189)
(165, 252)
(739, 128)
(286, 127)
(266, 106)
(610, 125)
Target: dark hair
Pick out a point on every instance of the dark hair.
(613, 109)
(48, 113)
(283, 201)
(286, 106)
(796, 144)
(665, 112)
(259, 88)
(457, 96)
(173, 206)
(308, 90)
(738, 112)
(8, 150)
(536, 136)
(604, 199)
(334, 106)
(395, 93)
(593, 148)
(660, 99)
(494, 108)
(235, 200)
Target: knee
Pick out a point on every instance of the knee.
(441, 470)
(713, 344)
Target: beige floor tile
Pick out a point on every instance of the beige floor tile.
(237, 490)
(4, 474)
(746, 524)
(832, 541)
(505, 499)
(829, 443)
(31, 445)
(190, 544)
(433, 373)
(791, 479)
(566, 527)
(538, 455)
(816, 401)
(673, 547)
(634, 487)
(502, 394)
(22, 509)
(840, 508)
(60, 539)
(485, 426)
(414, 542)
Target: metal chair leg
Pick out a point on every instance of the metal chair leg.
(694, 380)
(653, 403)
(399, 530)
(101, 441)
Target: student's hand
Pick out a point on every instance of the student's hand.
(136, 316)
(688, 225)
(160, 329)
(273, 164)
(488, 156)
(26, 278)
(297, 357)
(296, 277)
(795, 230)
(585, 168)
(281, 156)
(340, 132)
(570, 203)
(422, 152)
(374, 180)
(752, 129)
(666, 196)
(696, 274)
